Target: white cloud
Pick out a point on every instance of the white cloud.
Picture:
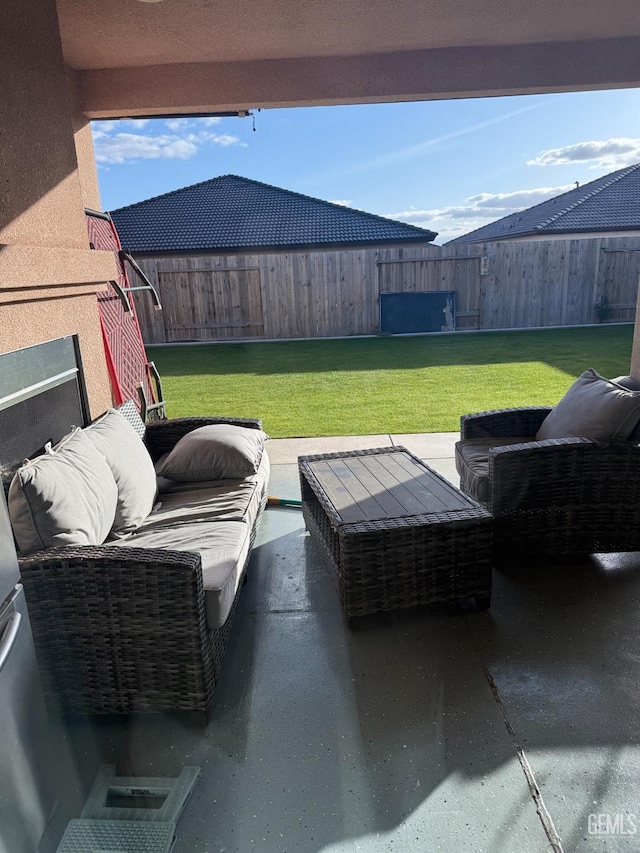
(603, 154)
(345, 202)
(187, 121)
(177, 123)
(479, 210)
(123, 147)
(134, 146)
(517, 200)
(224, 139)
(410, 215)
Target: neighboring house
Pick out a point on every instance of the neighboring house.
(232, 257)
(233, 214)
(571, 260)
(606, 207)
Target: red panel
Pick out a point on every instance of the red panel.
(124, 348)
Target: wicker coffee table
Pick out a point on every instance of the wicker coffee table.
(393, 532)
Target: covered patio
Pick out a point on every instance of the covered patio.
(449, 729)
(510, 730)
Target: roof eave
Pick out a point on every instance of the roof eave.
(542, 232)
(282, 247)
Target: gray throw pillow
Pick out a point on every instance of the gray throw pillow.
(131, 466)
(65, 497)
(593, 407)
(214, 452)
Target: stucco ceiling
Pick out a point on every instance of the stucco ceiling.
(234, 53)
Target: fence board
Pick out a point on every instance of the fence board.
(511, 284)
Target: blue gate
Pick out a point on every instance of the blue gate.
(404, 313)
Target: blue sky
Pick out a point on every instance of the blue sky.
(450, 166)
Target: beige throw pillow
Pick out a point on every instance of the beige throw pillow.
(66, 497)
(593, 407)
(132, 468)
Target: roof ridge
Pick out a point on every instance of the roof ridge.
(621, 173)
(274, 188)
(234, 211)
(331, 204)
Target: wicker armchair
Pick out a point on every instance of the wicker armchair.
(123, 629)
(556, 498)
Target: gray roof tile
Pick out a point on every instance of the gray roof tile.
(610, 203)
(233, 213)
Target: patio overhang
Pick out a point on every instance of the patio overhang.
(65, 62)
(174, 57)
(438, 73)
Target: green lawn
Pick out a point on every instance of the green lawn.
(361, 386)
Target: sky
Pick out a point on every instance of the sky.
(449, 166)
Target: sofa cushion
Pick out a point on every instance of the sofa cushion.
(67, 496)
(214, 452)
(472, 464)
(222, 500)
(593, 407)
(131, 466)
(223, 548)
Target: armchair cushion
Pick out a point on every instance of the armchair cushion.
(132, 468)
(593, 407)
(214, 452)
(65, 497)
(472, 464)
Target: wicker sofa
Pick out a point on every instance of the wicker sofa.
(551, 497)
(141, 623)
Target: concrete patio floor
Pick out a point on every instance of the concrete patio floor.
(508, 731)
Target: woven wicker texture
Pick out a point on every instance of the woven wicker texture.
(560, 497)
(120, 629)
(392, 563)
(120, 632)
(162, 436)
(524, 422)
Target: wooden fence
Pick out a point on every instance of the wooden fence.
(507, 285)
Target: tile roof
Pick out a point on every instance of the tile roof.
(231, 213)
(610, 203)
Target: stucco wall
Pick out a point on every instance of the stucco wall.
(48, 273)
(83, 140)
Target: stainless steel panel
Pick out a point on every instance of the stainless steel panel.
(31, 370)
(9, 572)
(27, 793)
